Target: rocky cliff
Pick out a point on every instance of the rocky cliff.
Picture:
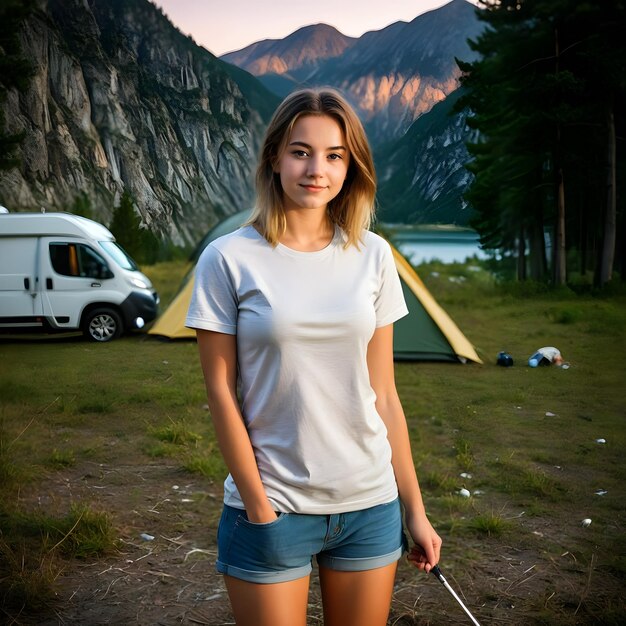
(422, 176)
(122, 100)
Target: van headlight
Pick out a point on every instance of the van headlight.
(137, 282)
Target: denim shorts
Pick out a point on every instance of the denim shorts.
(283, 549)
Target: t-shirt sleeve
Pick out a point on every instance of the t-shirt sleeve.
(213, 303)
(390, 305)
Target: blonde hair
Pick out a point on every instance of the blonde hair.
(353, 207)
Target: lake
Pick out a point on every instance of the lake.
(442, 243)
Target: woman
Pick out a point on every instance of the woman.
(297, 307)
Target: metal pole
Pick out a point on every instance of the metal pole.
(437, 572)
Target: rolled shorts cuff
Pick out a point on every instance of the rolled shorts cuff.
(267, 578)
(341, 564)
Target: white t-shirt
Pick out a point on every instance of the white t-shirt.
(303, 322)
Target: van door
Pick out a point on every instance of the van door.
(72, 275)
(18, 281)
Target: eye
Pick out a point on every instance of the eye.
(300, 153)
(335, 157)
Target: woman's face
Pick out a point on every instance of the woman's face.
(314, 163)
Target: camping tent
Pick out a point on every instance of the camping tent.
(426, 333)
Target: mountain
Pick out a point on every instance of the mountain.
(392, 75)
(422, 175)
(400, 72)
(282, 64)
(297, 54)
(120, 99)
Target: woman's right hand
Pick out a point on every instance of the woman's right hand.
(263, 514)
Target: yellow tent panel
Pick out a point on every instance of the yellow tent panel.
(171, 323)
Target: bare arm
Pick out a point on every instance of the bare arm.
(218, 356)
(425, 554)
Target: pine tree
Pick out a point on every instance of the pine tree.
(129, 232)
(126, 227)
(548, 95)
(82, 206)
(602, 60)
(504, 89)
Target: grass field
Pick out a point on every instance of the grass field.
(101, 443)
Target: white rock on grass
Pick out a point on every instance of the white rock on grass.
(585, 522)
(464, 492)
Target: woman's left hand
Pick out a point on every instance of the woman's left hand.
(427, 543)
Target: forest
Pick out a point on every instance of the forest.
(547, 95)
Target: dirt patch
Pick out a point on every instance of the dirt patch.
(164, 570)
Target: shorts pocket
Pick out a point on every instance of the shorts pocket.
(264, 545)
(243, 518)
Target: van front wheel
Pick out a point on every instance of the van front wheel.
(102, 325)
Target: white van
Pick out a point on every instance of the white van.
(62, 272)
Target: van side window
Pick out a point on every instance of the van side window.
(76, 259)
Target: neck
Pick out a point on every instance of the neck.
(307, 230)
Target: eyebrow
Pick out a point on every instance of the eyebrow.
(306, 145)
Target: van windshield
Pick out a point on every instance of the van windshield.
(119, 255)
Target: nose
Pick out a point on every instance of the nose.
(314, 169)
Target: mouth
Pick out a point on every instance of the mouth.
(313, 188)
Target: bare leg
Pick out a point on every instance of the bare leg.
(274, 604)
(357, 598)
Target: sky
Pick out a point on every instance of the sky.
(225, 25)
